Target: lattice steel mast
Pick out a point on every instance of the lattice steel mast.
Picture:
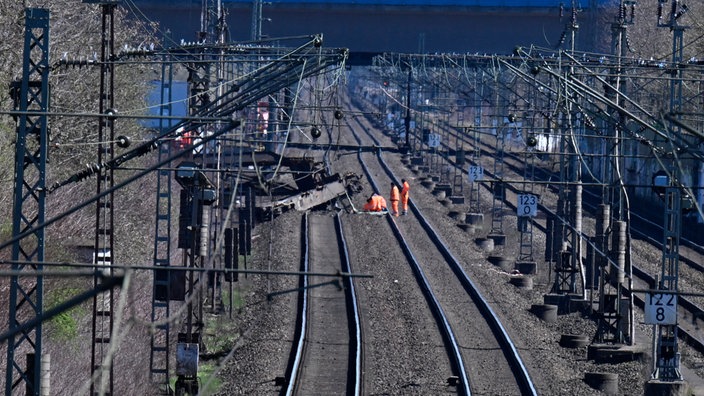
(667, 362)
(612, 314)
(161, 292)
(103, 248)
(30, 95)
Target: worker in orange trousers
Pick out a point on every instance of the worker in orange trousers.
(394, 199)
(405, 189)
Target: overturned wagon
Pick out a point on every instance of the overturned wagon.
(284, 183)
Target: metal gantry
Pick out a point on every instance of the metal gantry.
(31, 99)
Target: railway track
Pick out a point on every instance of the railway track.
(475, 346)
(691, 274)
(327, 356)
(643, 228)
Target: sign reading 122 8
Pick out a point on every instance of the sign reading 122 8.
(661, 308)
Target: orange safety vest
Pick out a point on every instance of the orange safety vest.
(394, 193)
(377, 204)
(404, 191)
(381, 202)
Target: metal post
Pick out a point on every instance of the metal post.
(159, 358)
(31, 94)
(102, 323)
(667, 367)
(667, 358)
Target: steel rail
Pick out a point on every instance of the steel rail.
(353, 311)
(303, 314)
(354, 387)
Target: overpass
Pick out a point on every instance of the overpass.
(408, 26)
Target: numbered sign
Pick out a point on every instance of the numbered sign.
(433, 140)
(527, 205)
(661, 308)
(476, 173)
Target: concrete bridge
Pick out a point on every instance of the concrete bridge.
(417, 26)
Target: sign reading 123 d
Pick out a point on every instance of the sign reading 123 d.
(527, 205)
(661, 308)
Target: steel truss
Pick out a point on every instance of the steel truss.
(103, 249)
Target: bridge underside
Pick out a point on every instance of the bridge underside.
(393, 29)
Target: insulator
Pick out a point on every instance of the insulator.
(204, 240)
(619, 246)
(681, 12)
(123, 141)
(111, 113)
(562, 39)
(531, 141)
(622, 12)
(315, 132)
(628, 42)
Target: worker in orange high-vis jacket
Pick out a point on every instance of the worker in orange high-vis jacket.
(375, 203)
(405, 189)
(381, 203)
(395, 196)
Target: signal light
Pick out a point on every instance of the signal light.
(339, 114)
(511, 118)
